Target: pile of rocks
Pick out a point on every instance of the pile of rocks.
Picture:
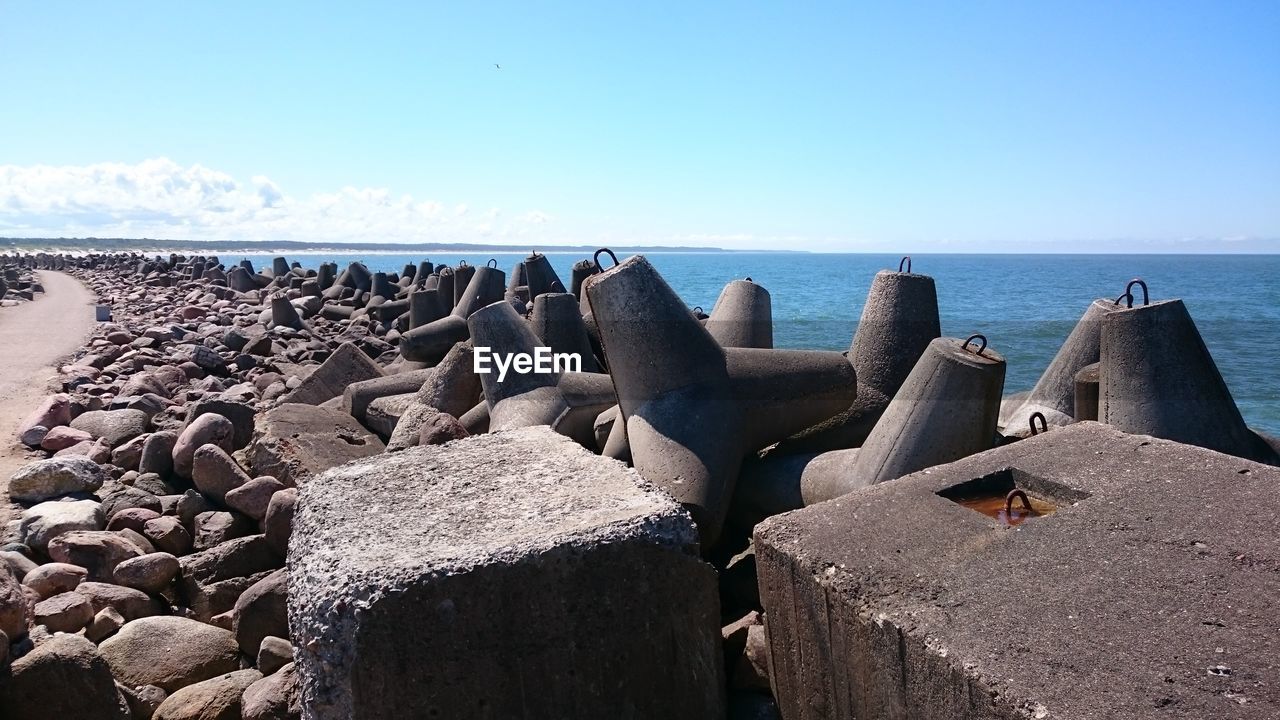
(148, 568)
(18, 283)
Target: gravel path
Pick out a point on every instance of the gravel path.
(34, 337)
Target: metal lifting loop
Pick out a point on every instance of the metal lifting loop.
(493, 262)
(697, 309)
(462, 263)
(1127, 296)
(749, 279)
(1128, 290)
(1044, 424)
(971, 338)
(1019, 494)
(906, 260)
(596, 258)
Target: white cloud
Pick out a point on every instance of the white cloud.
(159, 198)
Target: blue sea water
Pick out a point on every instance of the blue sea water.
(1025, 304)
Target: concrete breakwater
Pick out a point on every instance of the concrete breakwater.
(296, 492)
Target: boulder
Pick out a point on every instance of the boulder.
(13, 607)
(206, 429)
(167, 534)
(53, 412)
(54, 477)
(98, 551)
(132, 518)
(216, 527)
(169, 652)
(149, 573)
(278, 522)
(274, 697)
(131, 604)
(273, 654)
(213, 579)
(240, 415)
(63, 677)
(215, 473)
(47, 520)
(157, 453)
(438, 428)
(128, 497)
(65, 612)
(53, 578)
(105, 623)
(115, 427)
(261, 612)
(253, 497)
(217, 698)
(295, 441)
(61, 438)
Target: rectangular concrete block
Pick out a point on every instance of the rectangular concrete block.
(1149, 588)
(499, 576)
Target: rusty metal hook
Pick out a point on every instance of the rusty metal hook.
(493, 263)
(1019, 494)
(906, 260)
(596, 258)
(1044, 424)
(1128, 290)
(971, 338)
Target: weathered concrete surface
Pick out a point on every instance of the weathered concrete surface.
(893, 601)
(294, 441)
(347, 365)
(504, 575)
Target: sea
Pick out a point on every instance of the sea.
(1024, 304)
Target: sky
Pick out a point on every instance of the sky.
(850, 127)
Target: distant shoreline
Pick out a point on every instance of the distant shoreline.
(79, 246)
(293, 246)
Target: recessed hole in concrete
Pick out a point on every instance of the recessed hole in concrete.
(1001, 495)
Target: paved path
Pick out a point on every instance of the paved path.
(34, 337)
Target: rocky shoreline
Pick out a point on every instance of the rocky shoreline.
(149, 572)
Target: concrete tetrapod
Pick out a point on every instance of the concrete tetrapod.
(742, 316)
(540, 276)
(1156, 377)
(424, 307)
(899, 320)
(284, 314)
(461, 279)
(520, 570)
(429, 343)
(692, 410)
(946, 410)
(558, 325)
(1054, 393)
(567, 401)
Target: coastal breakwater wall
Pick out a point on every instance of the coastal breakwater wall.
(18, 282)
(328, 490)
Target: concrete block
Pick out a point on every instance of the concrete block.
(1149, 592)
(505, 575)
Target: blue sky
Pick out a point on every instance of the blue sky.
(898, 127)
